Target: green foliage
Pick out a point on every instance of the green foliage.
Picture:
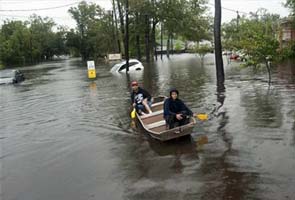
(94, 31)
(186, 18)
(256, 36)
(290, 4)
(13, 45)
(178, 18)
(30, 41)
(178, 45)
(202, 50)
(73, 43)
(97, 33)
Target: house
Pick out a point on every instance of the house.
(287, 32)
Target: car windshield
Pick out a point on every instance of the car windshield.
(122, 67)
(130, 64)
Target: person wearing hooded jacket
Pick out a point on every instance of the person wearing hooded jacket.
(175, 111)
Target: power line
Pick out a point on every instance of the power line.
(39, 9)
(26, 16)
(28, 1)
(39, 2)
(232, 10)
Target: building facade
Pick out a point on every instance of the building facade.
(287, 33)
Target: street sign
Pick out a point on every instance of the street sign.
(115, 56)
(91, 69)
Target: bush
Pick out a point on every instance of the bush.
(203, 50)
(178, 46)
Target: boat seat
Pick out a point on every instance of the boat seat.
(157, 104)
(152, 114)
(156, 124)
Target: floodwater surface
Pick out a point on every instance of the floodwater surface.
(65, 137)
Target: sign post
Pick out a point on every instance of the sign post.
(91, 69)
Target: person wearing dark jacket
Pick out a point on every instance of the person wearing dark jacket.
(176, 113)
(140, 98)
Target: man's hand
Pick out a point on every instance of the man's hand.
(179, 116)
(134, 104)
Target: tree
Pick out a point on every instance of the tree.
(177, 18)
(42, 38)
(93, 27)
(73, 43)
(291, 4)
(256, 37)
(14, 43)
(59, 42)
(202, 50)
(30, 41)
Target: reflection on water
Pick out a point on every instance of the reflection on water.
(62, 131)
(263, 107)
(286, 71)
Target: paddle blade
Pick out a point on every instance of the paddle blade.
(132, 114)
(202, 116)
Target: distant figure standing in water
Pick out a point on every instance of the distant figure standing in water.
(176, 113)
(141, 99)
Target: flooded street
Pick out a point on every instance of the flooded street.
(65, 137)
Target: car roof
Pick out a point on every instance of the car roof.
(7, 73)
(130, 60)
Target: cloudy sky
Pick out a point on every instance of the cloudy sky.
(62, 17)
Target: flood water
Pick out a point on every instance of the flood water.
(64, 137)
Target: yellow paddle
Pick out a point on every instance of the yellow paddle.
(133, 114)
(202, 116)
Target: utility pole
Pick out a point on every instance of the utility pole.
(218, 47)
(127, 37)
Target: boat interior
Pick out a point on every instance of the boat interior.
(155, 121)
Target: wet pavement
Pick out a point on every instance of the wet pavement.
(65, 137)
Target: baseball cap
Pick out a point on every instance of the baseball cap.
(134, 83)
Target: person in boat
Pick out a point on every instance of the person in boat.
(176, 113)
(141, 99)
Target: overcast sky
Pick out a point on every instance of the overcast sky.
(62, 17)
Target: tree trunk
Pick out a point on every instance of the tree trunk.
(268, 70)
(31, 48)
(137, 37)
(153, 35)
(115, 48)
(161, 41)
(171, 39)
(138, 47)
(202, 59)
(121, 24)
(218, 47)
(168, 46)
(82, 51)
(116, 28)
(147, 38)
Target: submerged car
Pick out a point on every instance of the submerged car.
(134, 65)
(11, 77)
